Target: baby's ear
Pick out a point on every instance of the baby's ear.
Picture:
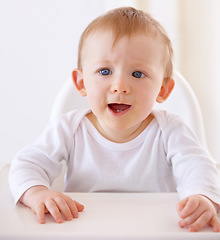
(78, 81)
(166, 89)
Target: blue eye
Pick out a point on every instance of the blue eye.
(105, 72)
(138, 74)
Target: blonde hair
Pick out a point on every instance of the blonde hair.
(126, 21)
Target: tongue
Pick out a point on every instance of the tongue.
(118, 107)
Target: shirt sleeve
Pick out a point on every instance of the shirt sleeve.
(193, 168)
(40, 163)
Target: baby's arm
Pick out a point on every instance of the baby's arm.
(41, 200)
(196, 212)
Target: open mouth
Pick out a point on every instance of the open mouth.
(118, 108)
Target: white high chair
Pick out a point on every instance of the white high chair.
(182, 102)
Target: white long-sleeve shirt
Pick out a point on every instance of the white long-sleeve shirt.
(165, 157)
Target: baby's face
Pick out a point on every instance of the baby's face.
(123, 81)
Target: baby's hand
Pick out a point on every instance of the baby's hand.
(41, 200)
(196, 212)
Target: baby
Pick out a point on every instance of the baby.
(120, 144)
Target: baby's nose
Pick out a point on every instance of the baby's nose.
(120, 85)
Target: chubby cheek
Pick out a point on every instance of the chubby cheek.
(96, 101)
(146, 101)
(148, 95)
(96, 92)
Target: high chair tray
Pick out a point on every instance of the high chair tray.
(107, 216)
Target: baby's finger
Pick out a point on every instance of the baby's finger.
(215, 223)
(191, 218)
(40, 213)
(180, 205)
(54, 210)
(191, 205)
(64, 208)
(201, 222)
(79, 206)
(74, 206)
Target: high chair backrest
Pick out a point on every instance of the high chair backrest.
(182, 102)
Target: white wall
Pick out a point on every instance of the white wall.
(38, 47)
(200, 42)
